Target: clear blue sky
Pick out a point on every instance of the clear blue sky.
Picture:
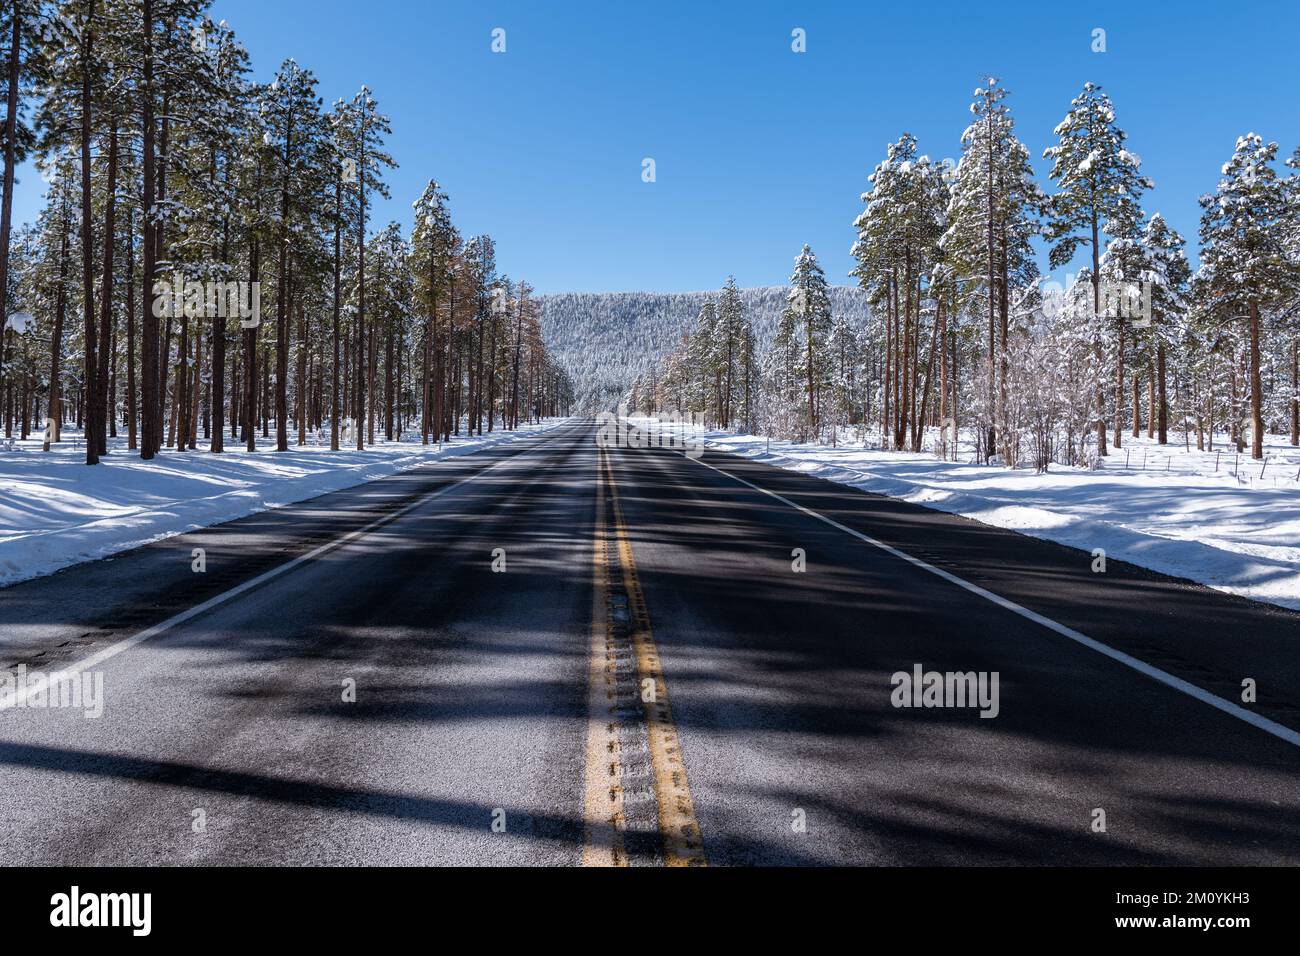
(757, 149)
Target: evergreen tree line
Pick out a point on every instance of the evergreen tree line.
(203, 268)
(965, 336)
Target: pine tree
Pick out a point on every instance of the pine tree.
(809, 299)
(1100, 187)
(992, 216)
(434, 242)
(731, 332)
(483, 283)
(1245, 260)
(898, 244)
(702, 360)
(1171, 280)
(363, 129)
(294, 137)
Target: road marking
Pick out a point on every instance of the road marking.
(1142, 667)
(66, 673)
(633, 748)
(683, 845)
(602, 807)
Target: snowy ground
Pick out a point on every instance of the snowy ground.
(55, 511)
(1211, 517)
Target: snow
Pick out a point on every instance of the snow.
(1205, 516)
(56, 511)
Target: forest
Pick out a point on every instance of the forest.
(205, 269)
(966, 338)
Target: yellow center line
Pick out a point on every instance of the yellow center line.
(678, 827)
(603, 797)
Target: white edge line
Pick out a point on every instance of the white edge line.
(56, 678)
(1164, 677)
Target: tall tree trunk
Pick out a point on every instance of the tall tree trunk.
(360, 392)
(371, 371)
(106, 292)
(250, 353)
(338, 253)
(11, 147)
(302, 373)
(217, 393)
(907, 366)
(181, 390)
(1096, 317)
(1121, 382)
(808, 359)
(1137, 404)
(112, 383)
(56, 339)
(443, 361)
(519, 341)
(1162, 397)
(956, 382)
(282, 297)
(992, 409)
(195, 388)
(478, 374)
(942, 319)
(1256, 388)
(1151, 400)
(148, 320)
(492, 371)
(131, 405)
(1295, 391)
(389, 380)
(918, 420)
(90, 383)
(159, 238)
(885, 381)
(266, 389)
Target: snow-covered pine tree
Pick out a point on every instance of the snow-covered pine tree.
(1245, 260)
(703, 397)
(730, 333)
(1099, 185)
(433, 245)
(1171, 280)
(897, 245)
(992, 216)
(361, 131)
(809, 299)
(295, 137)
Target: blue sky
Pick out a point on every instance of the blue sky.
(757, 149)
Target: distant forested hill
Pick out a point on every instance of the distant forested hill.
(606, 339)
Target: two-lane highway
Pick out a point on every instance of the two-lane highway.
(501, 658)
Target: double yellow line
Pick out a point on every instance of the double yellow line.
(603, 808)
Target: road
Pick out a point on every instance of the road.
(549, 653)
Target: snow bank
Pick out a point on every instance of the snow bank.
(55, 511)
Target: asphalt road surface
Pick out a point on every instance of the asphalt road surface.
(553, 653)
